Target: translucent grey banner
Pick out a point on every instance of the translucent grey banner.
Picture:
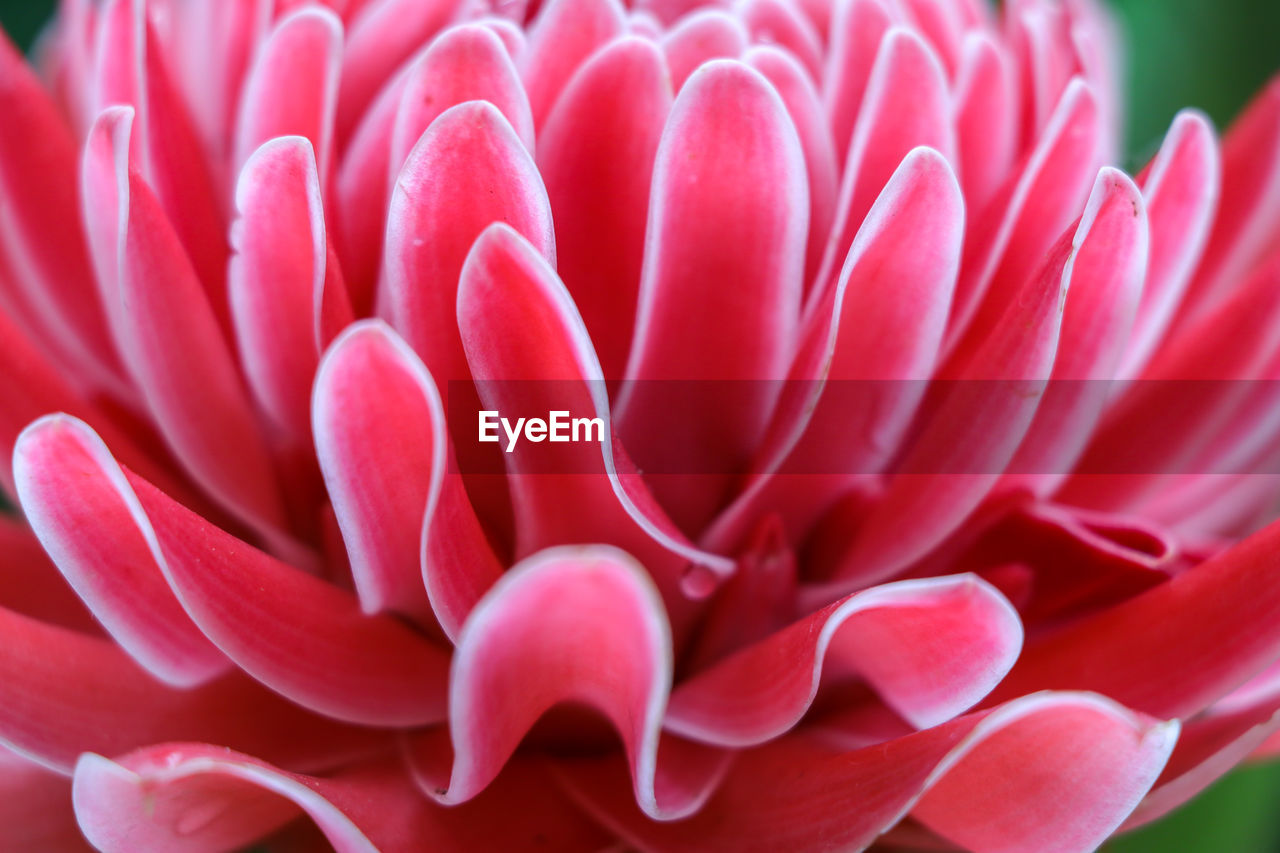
(729, 427)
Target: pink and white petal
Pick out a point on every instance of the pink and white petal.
(194, 797)
(997, 796)
(907, 104)
(866, 352)
(1208, 748)
(986, 117)
(775, 22)
(1203, 379)
(720, 289)
(1105, 277)
(522, 652)
(40, 238)
(929, 648)
(279, 267)
(292, 87)
(468, 170)
(170, 337)
(969, 435)
(858, 28)
(214, 46)
(166, 150)
(1181, 190)
(1049, 772)
(35, 809)
(1186, 643)
(296, 633)
(384, 35)
(700, 37)
(65, 693)
(1248, 218)
(359, 194)
(942, 23)
(596, 153)
(381, 440)
(1009, 240)
(69, 490)
(466, 63)
(530, 353)
(801, 99)
(562, 36)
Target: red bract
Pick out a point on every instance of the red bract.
(934, 452)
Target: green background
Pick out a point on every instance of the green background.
(1212, 54)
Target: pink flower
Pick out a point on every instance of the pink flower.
(859, 570)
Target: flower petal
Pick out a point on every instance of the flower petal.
(907, 104)
(858, 29)
(276, 278)
(720, 289)
(530, 354)
(1049, 772)
(193, 797)
(700, 37)
(1105, 276)
(1244, 229)
(170, 337)
(596, 153)
(1185, 643)
(292, 87)
(468, 170)
(69, 488)
(466, 63)
(1010, 239)
(929, 648)
(523, 650)
(63, 693)
(39, 238)
(866, 352)
(562, 36)
(294, 632)
(35, 809)
(383, 35)
(1181, 190)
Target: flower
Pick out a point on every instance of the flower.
(930, 505)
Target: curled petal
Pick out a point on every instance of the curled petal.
(1105, 276)
(40, 238)
(298, 634)
(169, 334)
(1048, 772)
(930, 649)
(1186, 643)
(522, 651)
(1011, 237)
(70, 490)
(529, 353)
(189, 797)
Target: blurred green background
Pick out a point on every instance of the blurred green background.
(1212, 54)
